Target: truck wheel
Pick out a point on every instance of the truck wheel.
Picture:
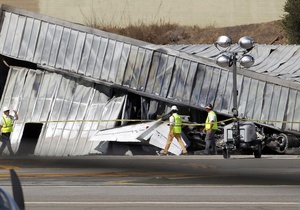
(226, 153)
(257, 153)
(283, 142)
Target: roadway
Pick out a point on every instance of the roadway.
(156, 182)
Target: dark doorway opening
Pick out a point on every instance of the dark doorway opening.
(29, 139)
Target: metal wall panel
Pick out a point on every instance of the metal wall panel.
(147, 62)
(125, 50)
(214, 86)
(174, 81)
(167, 76)
(65, 105)
(190, 78)
(137, 68)
(112, 77)
(106, 68)
(128, 74)
(159, 80)
(205, 89)
(152, 72)
(220, 100)
(198, 84)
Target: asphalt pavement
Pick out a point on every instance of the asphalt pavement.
(156, 182)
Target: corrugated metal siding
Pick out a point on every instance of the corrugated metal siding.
(269, 97)
(156, 71)
(66, 106)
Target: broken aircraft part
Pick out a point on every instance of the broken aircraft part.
(152, 133)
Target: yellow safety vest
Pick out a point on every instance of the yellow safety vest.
(207, 122)
(7, 126)
(177, 125)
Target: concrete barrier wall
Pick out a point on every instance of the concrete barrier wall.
(218, 13)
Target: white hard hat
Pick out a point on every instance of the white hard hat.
(5, 108)
(174, 108)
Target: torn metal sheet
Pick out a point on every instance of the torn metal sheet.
(68, 109)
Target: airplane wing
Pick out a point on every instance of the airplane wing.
(129, 133)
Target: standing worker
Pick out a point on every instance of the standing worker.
(210, 129)
(6, 127)
(175, 131)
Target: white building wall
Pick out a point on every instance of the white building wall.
(218, 13)
(203, 13)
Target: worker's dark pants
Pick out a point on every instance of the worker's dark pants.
(210, 142)
(5, 140)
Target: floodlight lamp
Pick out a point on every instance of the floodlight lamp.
(224, 41)
(246, 42)
(223, 60)
(247, 61)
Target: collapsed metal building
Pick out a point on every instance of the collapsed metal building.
(68, 81)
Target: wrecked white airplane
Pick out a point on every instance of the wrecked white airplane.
(70, 82)
(151, 133)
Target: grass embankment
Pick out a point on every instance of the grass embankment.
(171, 33)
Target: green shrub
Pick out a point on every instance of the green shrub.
(291, 21)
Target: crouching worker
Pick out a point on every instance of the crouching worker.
(175, 131)
(6, 127)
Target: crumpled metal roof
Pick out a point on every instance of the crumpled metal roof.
(280, 61)
(185, 75)
(270, 90)
(101, 57)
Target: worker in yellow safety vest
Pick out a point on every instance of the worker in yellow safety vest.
(6, 127)
(210, 129)
(175, 131)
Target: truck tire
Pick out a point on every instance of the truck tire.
(257, 153)
(283, 142)
(226, 153)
